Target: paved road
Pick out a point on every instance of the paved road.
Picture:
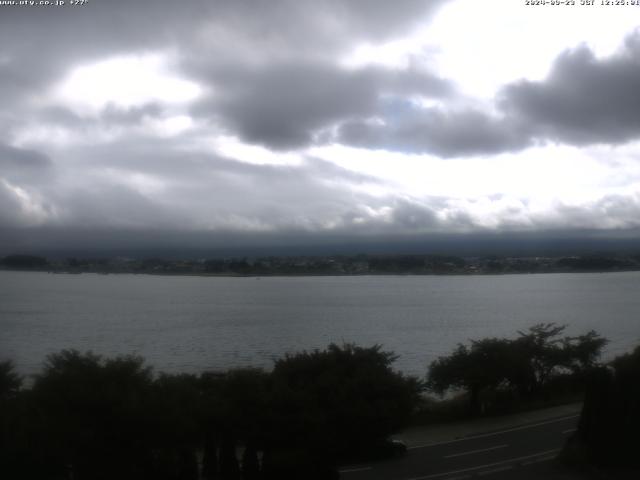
(515, 452)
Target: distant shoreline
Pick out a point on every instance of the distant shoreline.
(309, 275)
(332, 265)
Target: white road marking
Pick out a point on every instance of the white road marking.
(488, 465)
(570, 430)
(357, 469)
(495, 470)
(475, 451)
(472, 437)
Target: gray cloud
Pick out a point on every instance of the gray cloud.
(271, 64)
(23, 165)
(284, 105)
(19, 158)
(411, 215)
(146, 183)
(14, 83)
(11, 213)
(215, 30)
(442, 132)
(23, 173)
(584, 100)
(611, 212)
(270, 73)
(110, 116)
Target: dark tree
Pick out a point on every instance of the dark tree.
(541, 353)
(176, 427)
(250, 463)
(95, 415)
(582, 352)
(229, 465)
(483, 365)
(610, 421)
(10, 381)
(524, 365)
(338, 403)
(235, 409)
(12, 415)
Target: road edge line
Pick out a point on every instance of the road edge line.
(483, 435)
(470, 469)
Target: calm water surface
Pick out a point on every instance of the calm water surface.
(197, 323)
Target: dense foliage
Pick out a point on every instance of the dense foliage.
(525, 365)
(607, 434)
(343, 399)
(10, 381)
(88, 417)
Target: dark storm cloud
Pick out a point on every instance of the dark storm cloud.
(23, 165)
(284, 105)
(584, 100)
(437, 131)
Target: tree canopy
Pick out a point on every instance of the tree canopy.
(10, 381)
(608, 428)
(524, 364)
(345, 395)
(90, 417)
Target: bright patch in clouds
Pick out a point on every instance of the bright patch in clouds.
(170, 126)
(233, 148)
(543, 175)
(126, 81)
(395, 54)
(485, 44)
(146, 184)
(32, 212)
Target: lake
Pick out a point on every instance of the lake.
(191, 324)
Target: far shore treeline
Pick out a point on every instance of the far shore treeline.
(89, 417)
(361, 264)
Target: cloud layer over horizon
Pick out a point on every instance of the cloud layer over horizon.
(303, 117)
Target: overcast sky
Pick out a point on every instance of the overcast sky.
(318, 118)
